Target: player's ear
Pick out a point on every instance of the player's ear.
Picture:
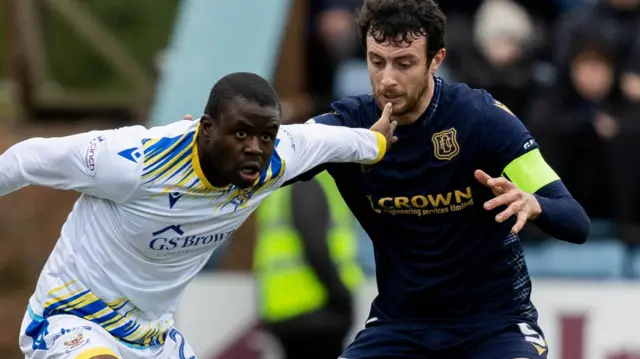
(437, 60)
(206, 125)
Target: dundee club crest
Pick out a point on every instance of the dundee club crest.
(445, 144)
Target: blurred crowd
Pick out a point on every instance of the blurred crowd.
(570, 69)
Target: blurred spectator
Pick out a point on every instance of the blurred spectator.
(498, 56)
(618, 20)
(332, 39)
(626, 173)
(588, 130)
(572, 124)
(544, 10)
(306, 267)
(630, 78)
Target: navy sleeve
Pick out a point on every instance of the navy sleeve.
(508, 144)
(505, 138)
(562, 216)
(346, 112)
(329, 118)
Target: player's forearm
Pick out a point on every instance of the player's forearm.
(50, 162)
(562, 217)
(342, 144)
(17, 166)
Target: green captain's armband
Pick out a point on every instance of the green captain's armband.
(530, 172)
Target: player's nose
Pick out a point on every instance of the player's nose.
(388, 79)
(252, 146)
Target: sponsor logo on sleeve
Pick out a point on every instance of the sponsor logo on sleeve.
(530, 143)
(292, 141)
(90, 157)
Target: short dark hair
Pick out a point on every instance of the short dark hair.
(246, 85)
(398, 21)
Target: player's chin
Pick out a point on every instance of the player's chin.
(401, 107)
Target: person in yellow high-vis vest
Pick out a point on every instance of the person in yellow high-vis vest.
(306, 268)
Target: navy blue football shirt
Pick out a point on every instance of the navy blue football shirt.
(441, 257)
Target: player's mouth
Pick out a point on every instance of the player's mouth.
(250, 173)
(390, 97)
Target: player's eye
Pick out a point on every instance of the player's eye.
(375, 60)
(266, 137)
(241, 135)
(405, 65)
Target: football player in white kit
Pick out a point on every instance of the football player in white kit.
(154, 205)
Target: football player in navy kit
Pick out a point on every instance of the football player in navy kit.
(444, 206)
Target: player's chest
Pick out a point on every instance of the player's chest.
(174, 225)
(419, 196)
(431, 179)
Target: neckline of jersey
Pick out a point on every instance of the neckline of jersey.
(197, 168)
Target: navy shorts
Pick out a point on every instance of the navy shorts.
(386, 341)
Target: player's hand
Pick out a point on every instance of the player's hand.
(385, 126)
(521, 204)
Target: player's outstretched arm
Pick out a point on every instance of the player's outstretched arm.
(314, 144)
(551, 207)
(527, 188)
(83, 162)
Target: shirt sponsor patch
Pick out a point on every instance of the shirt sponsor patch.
(91, 156)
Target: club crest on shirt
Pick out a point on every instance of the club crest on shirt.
(244, 195)
(77, 342)
(445, 144)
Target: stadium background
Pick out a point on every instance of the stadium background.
(569, 68)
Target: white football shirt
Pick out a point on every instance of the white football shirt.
(148, 220)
